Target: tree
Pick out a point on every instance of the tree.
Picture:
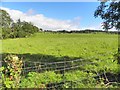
(23, 29)
(5, 21)
(110, 13)
(5, 24)
(6, 32)
(10, 29)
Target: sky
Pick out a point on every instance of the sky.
(55, 15)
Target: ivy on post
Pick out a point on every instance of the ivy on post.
(12, 71)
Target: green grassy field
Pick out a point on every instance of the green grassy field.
(49, 47)
(72, 45)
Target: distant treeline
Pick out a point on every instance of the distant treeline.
(82, 31)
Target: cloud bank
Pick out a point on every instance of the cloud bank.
(46, 23)
(42, 21)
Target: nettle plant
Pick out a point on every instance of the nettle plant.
(11, 74)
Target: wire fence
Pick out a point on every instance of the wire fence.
(62, 67)
(54, 66)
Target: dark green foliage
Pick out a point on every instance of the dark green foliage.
(5, 19)
(16, 30)
(6, 32)
(23, 29)
(5, 23)
(110, 14)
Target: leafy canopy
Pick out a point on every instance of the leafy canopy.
(10, 29)
(110, 13)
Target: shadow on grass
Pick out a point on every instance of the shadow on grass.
(40, 57)
(31, 61)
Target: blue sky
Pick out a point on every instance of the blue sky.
(81, 13)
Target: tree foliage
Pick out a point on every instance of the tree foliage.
(110, 13)
(5, 19)
(10, 29)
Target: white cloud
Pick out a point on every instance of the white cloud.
(30, 12)
(91, 27)
(42, 21)
(97, 27)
